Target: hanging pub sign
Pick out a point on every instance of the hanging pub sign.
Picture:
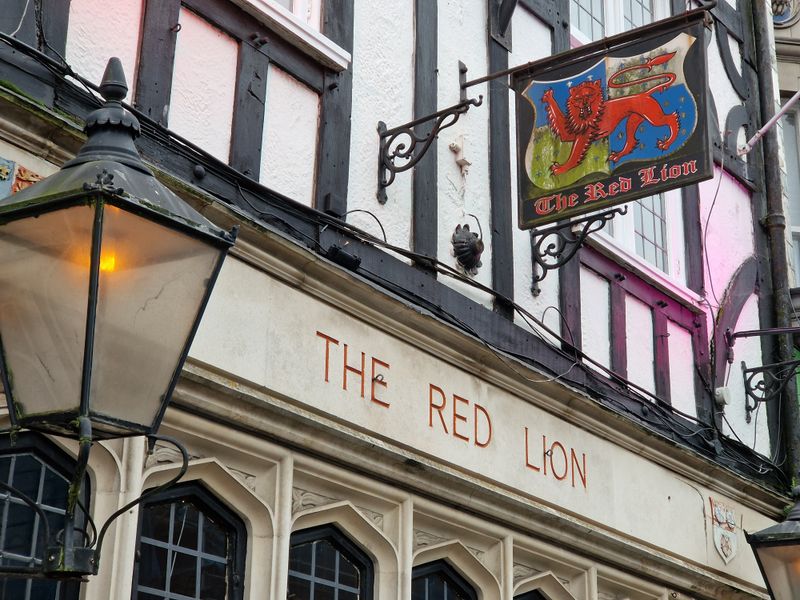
(613, 121)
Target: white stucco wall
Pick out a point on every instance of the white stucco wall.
(728, 231)
(383, 88)
(748, 350)
(289, 144)
(640, 348)
(531, 40)
(460, 195)
(725, 97)
(203, 89)
(90, 44)
(596, 317)
(681, 369)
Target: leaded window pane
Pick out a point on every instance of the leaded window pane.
(587, 16)
(439, 581)
(650, 229)
(21, 529)
(318, 571)
(185, 553)
(637, 13)
(325, 565)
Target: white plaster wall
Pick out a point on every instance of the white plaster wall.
(383, 88)
(725, 97)
(90, 44)
(596, 317)
(728, 231)
(203, 85)
(459, 195)
(681, 369)
(532, 40)
(289, 146)
(756, 433)
(639, 338)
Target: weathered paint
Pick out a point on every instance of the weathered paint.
(596, 329)
(639, 337)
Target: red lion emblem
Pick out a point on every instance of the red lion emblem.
(591, 117)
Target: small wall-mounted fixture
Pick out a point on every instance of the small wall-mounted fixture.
(467, 248)
(457, 148)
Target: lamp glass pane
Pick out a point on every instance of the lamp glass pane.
(152, 282)
(782, 567)
(44, 280)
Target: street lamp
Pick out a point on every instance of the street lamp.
(777, 551)
(104, 276)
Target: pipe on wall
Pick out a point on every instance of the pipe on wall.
(775, 226)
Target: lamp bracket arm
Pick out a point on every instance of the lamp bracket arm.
(181, 472)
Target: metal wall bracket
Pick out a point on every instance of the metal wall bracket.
(403, 143)
(554, 246)
(402, 147)
(769, 386)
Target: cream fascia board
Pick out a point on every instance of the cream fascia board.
(289, 27)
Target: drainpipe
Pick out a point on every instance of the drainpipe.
(775, 225)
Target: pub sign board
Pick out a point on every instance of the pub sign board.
(613, 121)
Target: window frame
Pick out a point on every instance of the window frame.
(447, 572)
(336, 538)
(205, 499)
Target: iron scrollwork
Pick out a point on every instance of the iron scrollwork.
(554, 246)
(769, 386)
(404, 143)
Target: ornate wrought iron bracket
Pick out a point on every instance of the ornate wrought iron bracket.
(769, 386)
(403, 146)
(554, 246)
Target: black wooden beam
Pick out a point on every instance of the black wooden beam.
(569, 302)
(248, 111)
(693, 239)
(500, 175)
(661, 354)
(333, 150)
(426, 207)
(618, 329)
(157, 58)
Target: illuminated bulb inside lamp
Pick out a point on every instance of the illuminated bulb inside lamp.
(108, 262)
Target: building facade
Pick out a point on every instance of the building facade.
(367, 416)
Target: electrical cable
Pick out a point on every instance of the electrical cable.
(21, 19)
(228, 174)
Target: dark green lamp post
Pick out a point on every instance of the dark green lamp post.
(777, 551)
(104, 276)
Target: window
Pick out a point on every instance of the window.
(40, 470)
(324, 564)
(592, 20)
(534, 595)
(307, 11)
(191, 547)
(439, 581)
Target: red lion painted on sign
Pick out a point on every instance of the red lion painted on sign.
(591, 117)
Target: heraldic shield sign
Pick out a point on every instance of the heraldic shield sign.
(613, 121)
(724, 530)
